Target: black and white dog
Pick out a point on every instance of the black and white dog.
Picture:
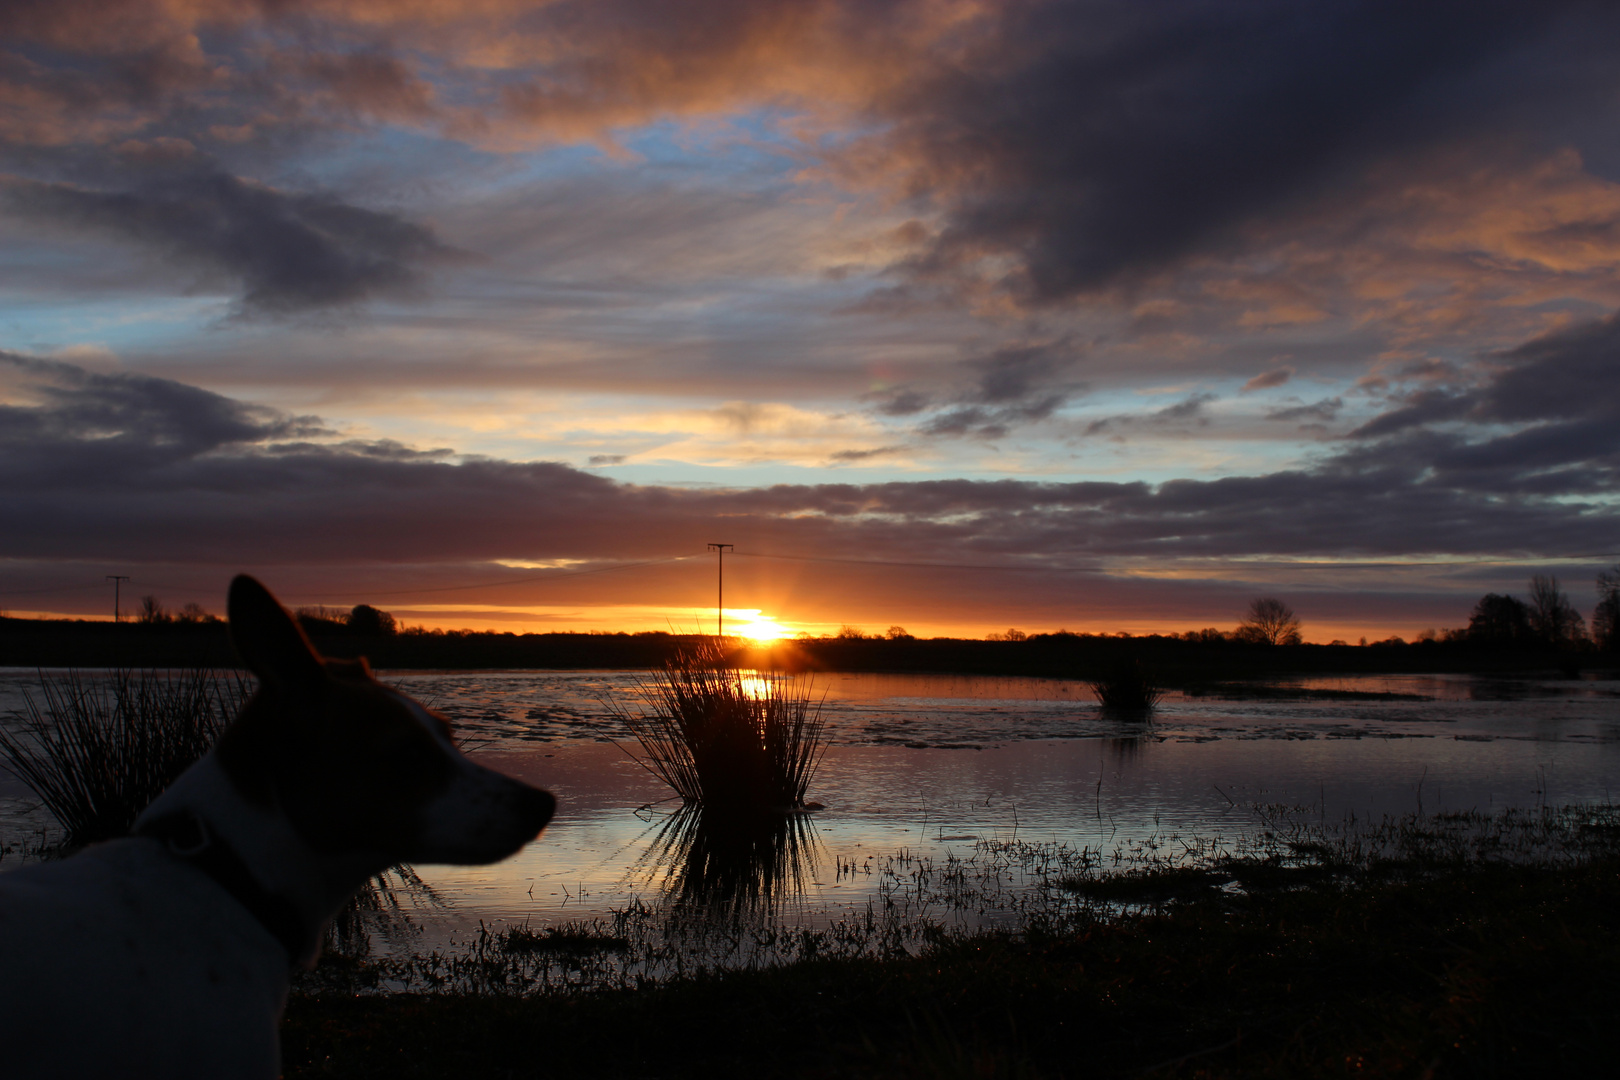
(168, 953)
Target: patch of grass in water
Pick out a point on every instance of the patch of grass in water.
(574, 939)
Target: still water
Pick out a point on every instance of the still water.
(931, 766)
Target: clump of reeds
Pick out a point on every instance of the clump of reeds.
(1128, 690)
(97, 750)
(723, 744)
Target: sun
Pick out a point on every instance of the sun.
(756, 626)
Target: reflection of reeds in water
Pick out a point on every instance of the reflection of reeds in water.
(385, 908)
(732, 864)
(97, 751)
(729, 743)
(1128, 692)
(1123, 751)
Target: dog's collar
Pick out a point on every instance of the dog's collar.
(188, 838)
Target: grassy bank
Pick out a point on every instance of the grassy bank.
(1408, 955)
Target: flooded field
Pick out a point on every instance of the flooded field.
(927, 772)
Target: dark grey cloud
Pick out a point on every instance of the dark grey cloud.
(1190, 408)
(1320, 412)
(845, 457)
(118, 428)
(1547, 421)
(1091, 140)
(1016, 385)
(287, 252)
(1267, 379)
(190, 476)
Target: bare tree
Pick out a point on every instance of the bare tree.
(1269, 622)
(152, 611)
(1552, 617)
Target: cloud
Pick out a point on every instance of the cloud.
(1046, 149)
(192, 476)
(1321, 412)
(1018, 384)
(1094, 141)
(1547, 422)
(63, 424)
(846, 457)
(289, 252)
(1268, 379)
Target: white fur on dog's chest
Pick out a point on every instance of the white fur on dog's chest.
(123, 961)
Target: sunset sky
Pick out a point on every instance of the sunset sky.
(954, 315)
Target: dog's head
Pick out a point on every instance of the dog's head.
(356, 767)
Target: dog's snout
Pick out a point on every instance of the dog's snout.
(536, 806)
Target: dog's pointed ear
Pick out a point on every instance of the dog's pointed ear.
(269, 640)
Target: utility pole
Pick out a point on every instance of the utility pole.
(117, 580)
(720, 597)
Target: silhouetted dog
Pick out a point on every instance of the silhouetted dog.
(168, 953)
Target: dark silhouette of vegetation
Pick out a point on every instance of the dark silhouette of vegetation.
(1549, 621)
(367, 620)
(97, 751)
(724, 742)
(1269, 622)
(1553, 618)
(1128, 692)
(1606, 617)
(1444, 958)
(1500, 620)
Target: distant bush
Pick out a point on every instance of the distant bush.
(1128, 690)
(367, 620)
(1499, 619)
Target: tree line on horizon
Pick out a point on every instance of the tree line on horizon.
(1547, 619)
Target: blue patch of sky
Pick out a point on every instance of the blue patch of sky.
(124, 326)
(745, 149)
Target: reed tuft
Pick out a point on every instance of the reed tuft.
(1128, 690)
(723, 744)
(97, 751)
